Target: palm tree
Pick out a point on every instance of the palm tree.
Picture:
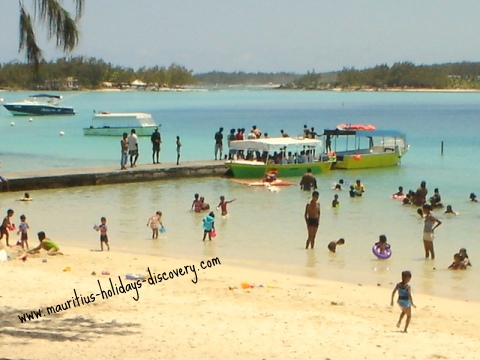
(60, 24)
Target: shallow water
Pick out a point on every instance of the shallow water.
(265, 229)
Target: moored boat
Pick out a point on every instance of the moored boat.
(362, 149)
(40, 104)
(261, 155)
(115, 124)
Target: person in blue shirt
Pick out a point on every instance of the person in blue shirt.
(208, 225)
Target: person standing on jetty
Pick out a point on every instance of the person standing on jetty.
(156, 140)
(231, 137)
(179, 145)
(430, 224)
(133, 148)
(312, 218)
(218, 143)
(124, 150)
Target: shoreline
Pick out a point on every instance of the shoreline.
(177, 317)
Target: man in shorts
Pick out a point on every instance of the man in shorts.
(156, 139)
(133, 148)
(218, 143)
(312, 218)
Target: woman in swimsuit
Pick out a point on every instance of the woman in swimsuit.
(430, 224)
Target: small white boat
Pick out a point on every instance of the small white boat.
(115, 124)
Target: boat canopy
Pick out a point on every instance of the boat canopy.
(46, 96)
(270, 144)
(364, 133)
(108, 119)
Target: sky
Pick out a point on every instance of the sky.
(263, 35)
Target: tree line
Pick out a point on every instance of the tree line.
(402, 75)
(90, 73)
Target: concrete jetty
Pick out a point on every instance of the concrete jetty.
(62, 178)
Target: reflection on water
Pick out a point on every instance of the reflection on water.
(310, 269)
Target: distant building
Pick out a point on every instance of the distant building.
(138, 84)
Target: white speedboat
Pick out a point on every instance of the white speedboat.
(40, 104)
(115, 124)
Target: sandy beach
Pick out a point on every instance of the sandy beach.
(280, 317)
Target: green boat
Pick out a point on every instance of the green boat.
(363, 149)
(260, 155)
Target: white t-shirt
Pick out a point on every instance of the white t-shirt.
(132, 142)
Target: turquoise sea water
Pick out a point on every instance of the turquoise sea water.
(264, 228)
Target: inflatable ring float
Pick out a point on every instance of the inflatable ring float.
(380, 255)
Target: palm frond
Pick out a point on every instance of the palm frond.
(60, 24)
(27, 38)
(79, 6)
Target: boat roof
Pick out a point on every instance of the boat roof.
(47, 96)
(128, 119)
(267, 144)
(366, 133)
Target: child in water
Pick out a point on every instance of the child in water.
(332, 245)
(464, 257)
(473, 197)
(399, 193)
(450, 210)
(338, 186)
(405, 300)
(335, 201)
(382, 245)
(196, 204)
(103, 233)
(457, 263)
(208, 226)
(223, 205)
(154, 222)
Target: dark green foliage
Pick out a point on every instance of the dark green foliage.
(406, 75)
(90, 73)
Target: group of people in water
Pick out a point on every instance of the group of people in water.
(419, 198)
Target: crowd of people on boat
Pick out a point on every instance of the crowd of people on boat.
(279, 157)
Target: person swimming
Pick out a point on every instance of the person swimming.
(332, 245)
(449, 210)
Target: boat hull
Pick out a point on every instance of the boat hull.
(38, 110)
(366, 161)
(118, 131)
(257, 170)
